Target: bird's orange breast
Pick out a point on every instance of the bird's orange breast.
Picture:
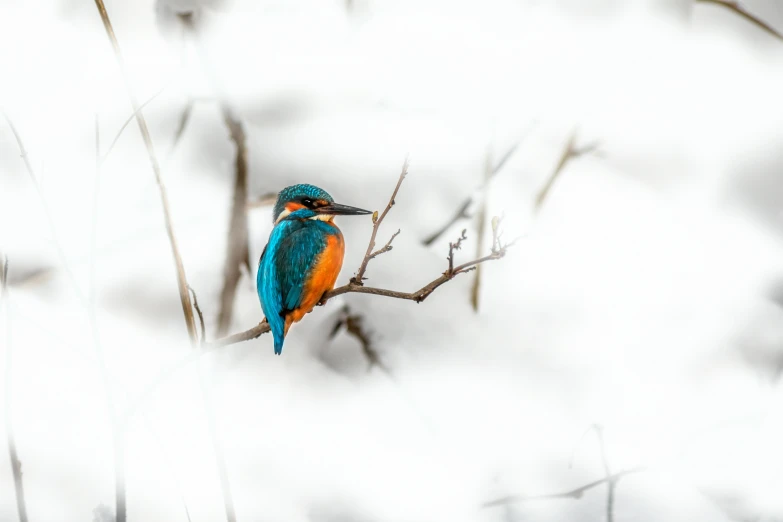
(322, 277)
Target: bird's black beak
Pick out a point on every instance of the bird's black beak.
(341, 210)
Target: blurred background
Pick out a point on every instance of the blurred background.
(630, 341)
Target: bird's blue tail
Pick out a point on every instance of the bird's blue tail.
(279, 337)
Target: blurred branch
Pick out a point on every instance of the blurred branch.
(609, 479)
(462, 211)
(574, 493)
(480, 226)
(611, 483)
(49, 219)
(739, 9)
(13, 455)
(118, 435)
(570, 152)
(237, 244)
(184, 118)
(265, 200)
(354, 326)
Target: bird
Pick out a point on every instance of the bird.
(303, 257)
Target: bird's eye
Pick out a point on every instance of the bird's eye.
(307, 202)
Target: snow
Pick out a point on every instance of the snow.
(643, 297)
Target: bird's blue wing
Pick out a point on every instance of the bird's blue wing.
(283, 269)
(294, 260)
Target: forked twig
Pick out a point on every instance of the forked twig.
(359, 278)
(570, 152)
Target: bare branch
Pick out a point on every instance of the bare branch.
(359, 277)
(739, 9)
(570, 151)
(418, 296)
(386, 247)
(574, 493)
(237, 245)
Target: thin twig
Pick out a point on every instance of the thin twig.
(127, 122)
(118, 436)
(386, 247)
(359, 277)
(182, 283)
(574, 493)
(739, 9)
(570, 151)
(455, 246)
(13, 454)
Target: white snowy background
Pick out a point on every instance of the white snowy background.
(644, 297)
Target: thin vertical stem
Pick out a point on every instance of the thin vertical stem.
(16, 464)
(182, 283)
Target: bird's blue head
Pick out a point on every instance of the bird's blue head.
(308, 201)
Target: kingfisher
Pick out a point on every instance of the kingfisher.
(302, 258)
